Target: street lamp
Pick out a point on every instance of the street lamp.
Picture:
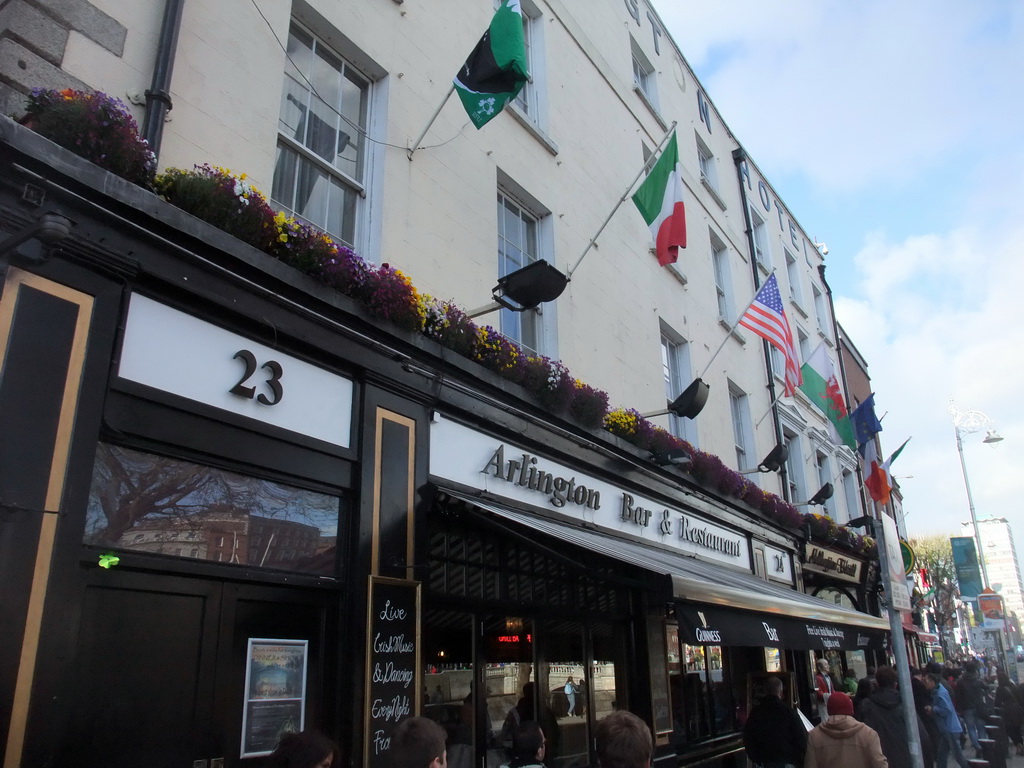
(969, 422)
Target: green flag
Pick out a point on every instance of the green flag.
(821, 385)
(496, 70)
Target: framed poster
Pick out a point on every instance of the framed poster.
(393, 671)
(275, 693)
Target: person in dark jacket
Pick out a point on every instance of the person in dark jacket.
(925, 723)
(971, 700)
(774, 736)
(883, 711)
(1013, 715)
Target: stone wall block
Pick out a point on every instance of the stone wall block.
(85, 18)
(42, 33)
(24, 70)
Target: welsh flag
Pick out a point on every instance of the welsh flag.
(496, 70)
(660, 200)
(822, 385)
(877, 477)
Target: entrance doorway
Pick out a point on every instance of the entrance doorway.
(161, 668)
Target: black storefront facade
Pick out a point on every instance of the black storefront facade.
(232, 503)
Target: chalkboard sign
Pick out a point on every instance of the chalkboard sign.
(392, 663)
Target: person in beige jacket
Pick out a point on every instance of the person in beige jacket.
(842, 741)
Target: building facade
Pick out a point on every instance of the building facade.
(236, 500)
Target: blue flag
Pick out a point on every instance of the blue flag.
(865, 424)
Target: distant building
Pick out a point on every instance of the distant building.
(1000, 560)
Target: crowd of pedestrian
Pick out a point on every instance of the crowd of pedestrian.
(862, 724)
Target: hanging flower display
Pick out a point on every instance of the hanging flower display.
(95, 126)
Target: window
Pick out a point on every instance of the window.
(720, 261)
(168, 502)
(319, 172)
(793, 273)
(706, 160)
(742, 433)
(821, 311)
(529, 101)
(803, 343)
(825, 476)
(524, 237)
(675, 365)
(850, 495)
(643, 74)
(795, 467)
(759, 232)
(702, 691)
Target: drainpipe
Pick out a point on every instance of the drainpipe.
(739, 157)
(158, 97)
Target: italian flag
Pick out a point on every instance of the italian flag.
(660, 201)
(496, 69)
(821, 385)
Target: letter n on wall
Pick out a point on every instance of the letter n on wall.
(394, 484)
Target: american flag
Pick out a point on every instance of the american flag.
(766, 317)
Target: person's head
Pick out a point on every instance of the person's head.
(822, 666)
(1002, 678)
(307, 749)
(528, 742)
(930, 680)
(624, 741)
(971, 667)
(850, 675)
(418, 742)
(865, 688)
(839, 704)
(886, 677)
(773, 687)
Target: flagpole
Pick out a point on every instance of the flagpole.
(770, 406)
(432, 119)
(622, 199)
(731, 329)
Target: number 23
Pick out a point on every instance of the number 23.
(274, 381)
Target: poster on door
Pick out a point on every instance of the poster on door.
(275, 693)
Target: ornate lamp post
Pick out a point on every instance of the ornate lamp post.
(968, 422)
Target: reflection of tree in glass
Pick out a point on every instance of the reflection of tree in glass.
(129, 487)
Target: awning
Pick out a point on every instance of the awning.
(717, 605)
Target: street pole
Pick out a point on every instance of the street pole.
(899, 649)
(972, 421)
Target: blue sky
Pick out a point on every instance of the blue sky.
(893, 132)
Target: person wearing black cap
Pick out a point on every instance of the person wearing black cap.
(842, 741)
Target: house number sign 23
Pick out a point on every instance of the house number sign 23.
(273, 379)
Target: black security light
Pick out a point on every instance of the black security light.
(772, 462)
(824, 494)
(864, 521)
(674, 456)
(688, 404)
(524, 289)
(49, 230)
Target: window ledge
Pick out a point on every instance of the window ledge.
(734, 332)
(650, 106)
(796, 305)
(766, 269)
(712, 191)
(531, 127)
(677, 273)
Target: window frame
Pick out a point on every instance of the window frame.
(542, 318)
(644, 74)
(760, 238)
(742, 429)
(677, 372)
(723, 278)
